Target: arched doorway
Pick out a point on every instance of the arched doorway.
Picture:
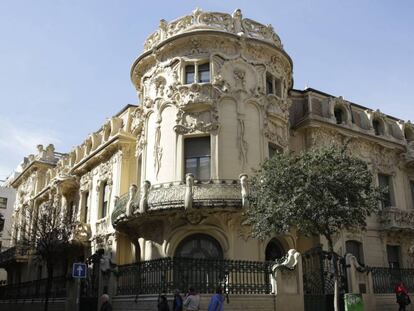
(198, 263)
(274, 250)
(200, 246)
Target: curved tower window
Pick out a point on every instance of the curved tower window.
(274, 250)
(189, 74)
(200, 246)
(204, 73)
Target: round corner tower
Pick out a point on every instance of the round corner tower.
(214, 100)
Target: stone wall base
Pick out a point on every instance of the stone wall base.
(236, 302)
(31, 305)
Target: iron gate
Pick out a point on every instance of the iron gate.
(318, 279)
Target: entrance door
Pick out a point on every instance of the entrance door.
(199, 264)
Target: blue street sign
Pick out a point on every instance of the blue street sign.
(79, 270)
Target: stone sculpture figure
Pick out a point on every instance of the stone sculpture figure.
(131, 199)
(244, 190)
(143, 203)
(188, 197)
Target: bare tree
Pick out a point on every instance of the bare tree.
(48, 239)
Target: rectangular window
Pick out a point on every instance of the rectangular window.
(384, 181)
(393, 254)
(197, 157)
(355, 248)
(104, 199)
(85, 203)
(269, 85)
(189, 74)
(204, 73)
(3, 202)
(278, 87)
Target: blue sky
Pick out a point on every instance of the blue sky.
(65, 64)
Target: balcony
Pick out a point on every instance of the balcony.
(188, 195)
(14, 254)
(395, 219)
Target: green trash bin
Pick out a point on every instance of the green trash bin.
(353, 302)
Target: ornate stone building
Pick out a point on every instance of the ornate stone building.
(169, 176)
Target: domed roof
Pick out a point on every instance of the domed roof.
(213, 21)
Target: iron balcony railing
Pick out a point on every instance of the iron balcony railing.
(216, 193)
(385, 279)
(34, 289)
(167, 274)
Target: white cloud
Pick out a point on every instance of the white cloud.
(19, 140)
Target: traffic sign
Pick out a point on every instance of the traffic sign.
(79, 270)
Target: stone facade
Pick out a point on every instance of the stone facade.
(216, 99)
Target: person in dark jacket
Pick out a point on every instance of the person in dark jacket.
(403, 299)
(163, 304)
(106, 305)
(178, 301)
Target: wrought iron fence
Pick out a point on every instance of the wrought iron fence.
(34, 289)
(166, 274)
(385, 279)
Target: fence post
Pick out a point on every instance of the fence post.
(289, 282)
(360, 282)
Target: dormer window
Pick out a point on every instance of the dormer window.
(197, 73)
(378, 128)
(339, 115)
(273, 85)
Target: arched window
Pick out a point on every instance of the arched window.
(274, 250)
(378, 127)
(201, 246)
(355, 248)
(339, 115)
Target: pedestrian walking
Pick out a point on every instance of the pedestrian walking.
(163, 303)
(403, 299)
(178, 301)
(192, 300)
(217, 301)
(106, 305)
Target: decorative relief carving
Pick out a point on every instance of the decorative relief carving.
(188, 96)
(242, 143)
(157, 148)
(275, 133)
(213, 21)
(203, 121)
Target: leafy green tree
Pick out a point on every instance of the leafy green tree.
(319, 192)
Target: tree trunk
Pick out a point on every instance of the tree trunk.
(335, 272)
(48, 284)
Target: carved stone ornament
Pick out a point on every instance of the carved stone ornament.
(202, 121)
(275, 133)
(195, 94)
(137, 120)
(200, 20)
(194, 218)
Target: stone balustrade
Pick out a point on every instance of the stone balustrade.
(396, 219)
(220, 193)
(215, 21)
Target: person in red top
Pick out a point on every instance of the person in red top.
(403, 299)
